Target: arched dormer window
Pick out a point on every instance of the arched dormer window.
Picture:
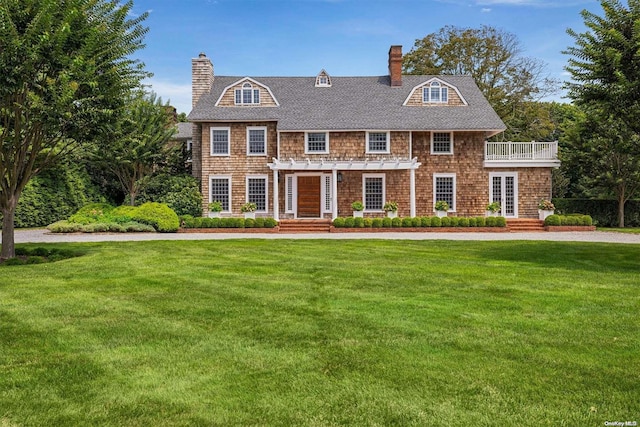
(323, 79)
(435, 93)
(248, 95)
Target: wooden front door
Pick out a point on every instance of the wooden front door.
(308, 196)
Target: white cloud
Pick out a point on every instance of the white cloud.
(486, 10)
(179, 94)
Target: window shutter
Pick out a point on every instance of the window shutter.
(289, 191)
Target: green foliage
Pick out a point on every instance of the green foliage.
(158, 215)
(38, 255)
(64, 226)
(603, 211)
(368, 222)
(357, 206)
(552, 220)
(501, 221)
(349, 222)
(358, 222)
(339, 222)
(93, 212)
(396, 222)
(425, 221)
(181, 193)
(270, 222)
(453, 221)
(259, 222)
(376, 223)
(416, 222)
(490, 221)
(472, 222)
(386, 222)
(441, 205)
(481, 221)
(66, 69)
(250, 223)
(407, 222)
(445, 221)
(463, 222)
(436, 221)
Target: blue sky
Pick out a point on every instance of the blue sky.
(344, 37)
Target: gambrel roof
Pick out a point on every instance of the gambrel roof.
(353, 103)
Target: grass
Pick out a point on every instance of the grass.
(322, 333)
(621, 230)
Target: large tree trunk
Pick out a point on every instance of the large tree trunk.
(8, 239)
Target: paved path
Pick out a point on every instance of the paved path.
(41, 235)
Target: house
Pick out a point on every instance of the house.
(307, 147)
(183, 139)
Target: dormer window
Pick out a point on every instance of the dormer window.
(248, 95)
(323, 79)
(435, 93)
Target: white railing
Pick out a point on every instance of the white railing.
(520, 151)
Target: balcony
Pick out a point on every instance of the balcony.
(521, 154)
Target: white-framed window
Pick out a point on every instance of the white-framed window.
(257, 191)
(444, 188)
(189, 151)
(220, 137)
(378, 142)
(316, 143)
(441, 142)
(256, 140)
(220, 190)
(373, 191)
(435, 93)
(248, 95)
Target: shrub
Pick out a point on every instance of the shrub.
(158, 215)
(338, 222)
(416, 222)
(180, 192)
(481, 221)
(490, 221)
(64, 226)
(386, 222)
(358, 222)
(396, 222)
(349, 222)
(604, 212)
(586, 220)
(259, 222)
(407, 222)
(425, 221)
(368, 222)
(436, 221)
(501, 221)
(93, 212)
(453, 222)
(136, 227)
(376, 223)
(357, 206)
(95, 227)
(445, 221)
(270, 222)
(472, 222)
(552, 220)
(249, 223)
(463, 222)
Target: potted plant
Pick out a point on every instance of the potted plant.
(545, 208)
(215, 208)
(391, 208)
(357, 207)
(249, 210)
(493, 209)
(441, 207)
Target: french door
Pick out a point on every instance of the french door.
(503, 188)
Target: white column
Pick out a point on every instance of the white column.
(334, 193)
(412, 196)
(276, 210)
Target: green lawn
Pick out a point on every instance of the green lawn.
(322, 333)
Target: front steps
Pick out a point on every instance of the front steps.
(305, 225)
(525, 225)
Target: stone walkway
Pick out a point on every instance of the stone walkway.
(44, 236)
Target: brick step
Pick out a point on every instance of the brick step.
(305, 225)
(525, 225)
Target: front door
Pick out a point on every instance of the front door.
(504, 190)
(309, 196)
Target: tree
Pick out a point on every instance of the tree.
(492, 57)
(66, 67)
(138, 144)
(605, 69)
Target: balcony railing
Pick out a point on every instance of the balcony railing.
(540, 154)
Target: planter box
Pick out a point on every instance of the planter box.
(358, 214)
(441, 214)
(392, 214)
(214, 214)
(544, 214)
(489, 213)
(249, 215)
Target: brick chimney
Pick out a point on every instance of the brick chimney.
(201, 77)
(395, 65)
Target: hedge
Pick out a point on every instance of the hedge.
(188, 221)
(421, 222)
(180, 192)
(572, 220)
(603, 211)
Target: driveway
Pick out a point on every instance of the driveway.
(44, 236)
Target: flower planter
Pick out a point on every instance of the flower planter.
(392, 214)
(489, 213)
(542, 214)
(214, 214)
(441, 214)
(249, 215)
(358, 214)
